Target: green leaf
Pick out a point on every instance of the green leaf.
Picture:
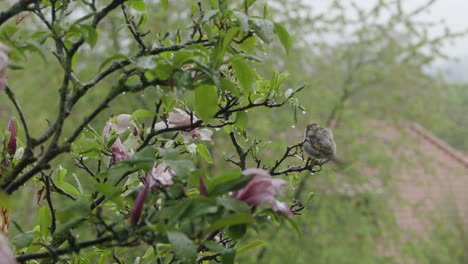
(309, 199)
(251, 245)
(295, 225)
(264, 29)
(284, 36)
(214, 4)
(242, 120)
(90, 34)
(68, 188)
(138, 5)
(74, 61)
(5, 200)
(230, 220)
(111, 192)
(142, 160)
(199, 206)
(233, 204)
(245, 74)
(141, 113)
(163, 71)
(88, 147)
(23, 240)
(206, 101)
(180, 167)
(164, 4)
(184, 248)
(208, 71)
(227, 85)
(70, 224)
(78, 183)
(248, 3)
(227, 254)
(224, 184)
(237, 231)
(44, 220)
(249, 44)
(204, 152)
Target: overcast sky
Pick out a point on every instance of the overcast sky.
(454, 12)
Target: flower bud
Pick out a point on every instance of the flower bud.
(12, 144)
(138, 206)
(202, 186)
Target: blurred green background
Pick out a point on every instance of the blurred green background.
(372, 70)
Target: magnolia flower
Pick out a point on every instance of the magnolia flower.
(203, 133)
(262, 190)
(182, 118)
(4, 62)
(6, 253)
(123, 122)
(118, 151)
(117, 148)
(12, 144)
(160, 176)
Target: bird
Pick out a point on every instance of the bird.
(318, 143)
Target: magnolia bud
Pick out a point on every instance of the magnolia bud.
(318, 142)
(12, 144)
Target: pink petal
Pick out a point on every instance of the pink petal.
(161, 175)
(107, 129)
(180, 119)
(276, 184)
(187, 136)
(256, 171)
(118, 151)
(7, 255)
(3, 83)
(123, 122)
(282, 207)
(161, 125)
(205, 134)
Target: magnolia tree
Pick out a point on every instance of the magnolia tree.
(139, 180)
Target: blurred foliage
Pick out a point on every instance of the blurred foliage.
(361, 65)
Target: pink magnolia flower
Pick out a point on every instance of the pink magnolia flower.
(262, 190)
(7, 255)
(123, 122)
(117, 148)
(12, 143)
(4, 62)
(118, 151)
(161, 175)
(182, 118)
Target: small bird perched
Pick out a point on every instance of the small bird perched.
(318, 142)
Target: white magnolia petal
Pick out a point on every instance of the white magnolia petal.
(205, 134)
(123, 122)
